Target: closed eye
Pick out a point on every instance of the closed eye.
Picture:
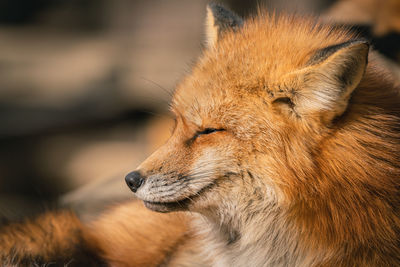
(209, 131)
(204, 132)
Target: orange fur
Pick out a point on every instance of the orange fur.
(131, 235)
(336, 176)
(126, 235)
(57, 238)
(286, 149)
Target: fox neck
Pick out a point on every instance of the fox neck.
(244, 229)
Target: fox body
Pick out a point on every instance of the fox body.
(285, 152)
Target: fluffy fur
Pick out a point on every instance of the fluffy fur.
(285, 152)
(306, 171)
(57, 239)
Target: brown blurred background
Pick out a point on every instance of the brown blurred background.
(85, 85)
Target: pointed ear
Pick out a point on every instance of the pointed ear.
(331, 77)
(218, 21)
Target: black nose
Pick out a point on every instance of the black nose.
(134, 180)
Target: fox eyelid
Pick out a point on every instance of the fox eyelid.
(207, 131)
(204, 132)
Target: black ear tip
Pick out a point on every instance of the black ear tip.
(213, 4)
(224, 16)
(215, 7)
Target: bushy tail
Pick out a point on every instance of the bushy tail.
(126, 235)
(52, 239)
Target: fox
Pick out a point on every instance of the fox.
(285, 152)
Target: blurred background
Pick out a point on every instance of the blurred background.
(85, 86)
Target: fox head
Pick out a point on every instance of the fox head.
(252, 118)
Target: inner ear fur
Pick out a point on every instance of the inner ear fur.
(331, 75)
(218, 21)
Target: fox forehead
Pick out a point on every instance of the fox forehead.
(251, 65)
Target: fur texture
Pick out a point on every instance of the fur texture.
(285, 152)
(54, 239)
(305, 168)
